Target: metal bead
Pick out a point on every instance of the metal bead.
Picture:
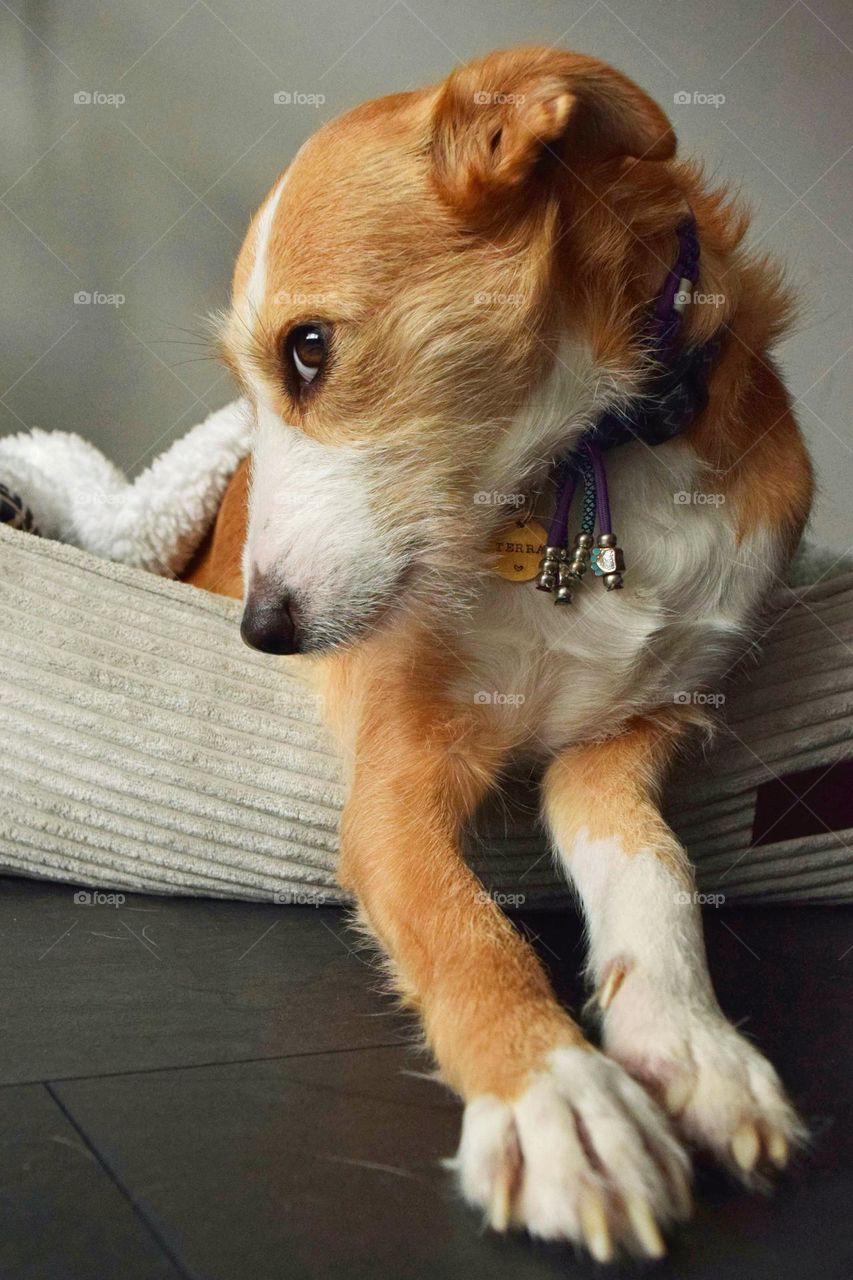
(607, 539)
(584, 540)
(563, 596)
(613, 581)
(547, 579)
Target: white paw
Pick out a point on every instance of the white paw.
(582, 1154)
(722, 1093)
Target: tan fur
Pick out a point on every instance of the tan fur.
(613, 788)
(421, 766)
(217, 566)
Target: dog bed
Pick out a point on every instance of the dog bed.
(146, 748)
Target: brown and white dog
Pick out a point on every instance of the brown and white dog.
(436, 298)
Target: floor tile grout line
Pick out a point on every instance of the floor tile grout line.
(120, 1186)
(48, 1081)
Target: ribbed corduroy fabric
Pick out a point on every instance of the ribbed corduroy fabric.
(145, 747)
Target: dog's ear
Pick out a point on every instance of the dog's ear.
(500, 119)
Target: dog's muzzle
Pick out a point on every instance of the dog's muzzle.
(269, 618)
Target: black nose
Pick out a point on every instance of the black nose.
(268, 622)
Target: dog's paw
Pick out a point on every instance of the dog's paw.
(582, 1154)
(721, 1092)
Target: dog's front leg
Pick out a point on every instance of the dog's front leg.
(556, 1137)
(647, 962)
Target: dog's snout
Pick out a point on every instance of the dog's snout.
(268, 619)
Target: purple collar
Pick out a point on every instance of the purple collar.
(676, 392)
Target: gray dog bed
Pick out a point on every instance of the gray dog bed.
(146, 748)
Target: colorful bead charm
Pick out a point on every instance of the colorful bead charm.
(608, 561)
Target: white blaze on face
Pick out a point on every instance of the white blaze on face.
(257, 286)
(313, 528)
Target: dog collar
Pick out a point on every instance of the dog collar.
(675, 394)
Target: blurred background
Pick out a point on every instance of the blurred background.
(138, 139)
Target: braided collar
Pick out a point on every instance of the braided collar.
(674, 395)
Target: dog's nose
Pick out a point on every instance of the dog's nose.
(268, 622)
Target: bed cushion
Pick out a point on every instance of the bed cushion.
(145, 747)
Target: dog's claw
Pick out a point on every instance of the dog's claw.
(611, 984)
(681, 1191)
(593, 1219)
(645, 1227)
(746, 1147)
(677, 1095)
(501, 1205)
(777, 1148)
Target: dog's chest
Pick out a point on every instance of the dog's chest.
(550, 675)
(544, 674)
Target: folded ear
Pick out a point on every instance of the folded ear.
(499, 119)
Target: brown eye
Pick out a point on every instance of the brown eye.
(307, 348)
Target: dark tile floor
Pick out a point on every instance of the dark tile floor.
(219, 1091)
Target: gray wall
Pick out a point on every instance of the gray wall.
(149, 199)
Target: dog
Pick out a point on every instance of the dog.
(434, 305)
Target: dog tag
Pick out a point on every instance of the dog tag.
(517, 550)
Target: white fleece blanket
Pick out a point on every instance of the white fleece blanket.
(145, 747)
(65, 489)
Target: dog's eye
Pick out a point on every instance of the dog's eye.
(307, 347)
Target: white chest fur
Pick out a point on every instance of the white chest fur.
(560, 674)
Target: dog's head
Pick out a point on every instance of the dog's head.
(410, 332)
